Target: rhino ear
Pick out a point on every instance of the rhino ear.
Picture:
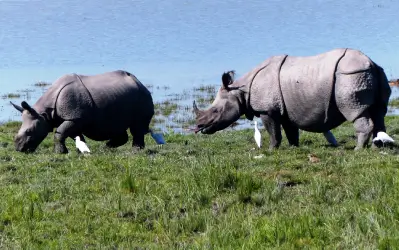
(195, 108)
(228, 78)
(26, 106)
(45, 116)
(19, 108)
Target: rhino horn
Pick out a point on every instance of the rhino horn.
(196, 110)
(19, 108)
(26, 106)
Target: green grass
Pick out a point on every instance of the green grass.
(201, 191)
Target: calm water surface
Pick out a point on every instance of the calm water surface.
(176, 46)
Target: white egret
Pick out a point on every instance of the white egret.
(383, 137)
(257, 135)
(81, 145)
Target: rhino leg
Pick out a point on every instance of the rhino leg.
(292, 132)
(273, 127)
(378, 119)
(65, 130)
(138, 140)
(117, 141)
(364, 127)
(139, 130)
(138, 133)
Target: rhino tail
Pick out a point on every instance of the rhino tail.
(379, 109)
(384, 90)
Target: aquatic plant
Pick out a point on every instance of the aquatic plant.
(41, 84)
(10, 96)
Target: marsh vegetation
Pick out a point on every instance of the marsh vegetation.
(201, 191)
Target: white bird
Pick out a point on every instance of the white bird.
(383, 137)
(330, 138)
(81, 145)
(257, 135)
(158, 138)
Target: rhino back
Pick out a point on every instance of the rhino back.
(119, 99)
(307, 84)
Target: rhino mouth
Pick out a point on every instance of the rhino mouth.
(203, 128)
(26, 149)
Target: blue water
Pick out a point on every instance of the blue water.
(180, 44)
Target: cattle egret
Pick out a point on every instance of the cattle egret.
(158, 138)
(383, 137)
(257, 135)
(81, 145)
(330, 138)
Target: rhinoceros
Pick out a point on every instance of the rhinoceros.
(312, 93)
(100, 107)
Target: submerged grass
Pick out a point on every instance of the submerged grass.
(10, 96)
(394, 103)
(41, 84)
(201, 191)
(166, 107)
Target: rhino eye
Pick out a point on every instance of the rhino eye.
(214, 110)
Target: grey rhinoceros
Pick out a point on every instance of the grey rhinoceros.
(313, 93)
(101, 107)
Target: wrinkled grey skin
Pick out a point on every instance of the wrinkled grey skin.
(314, 93)
(101, 107)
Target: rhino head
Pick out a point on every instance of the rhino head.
(227, 107)
(33, 130)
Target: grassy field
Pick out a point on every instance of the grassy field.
(200, 191)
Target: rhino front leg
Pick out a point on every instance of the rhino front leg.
(65, 130)
(273, 127)
(364, 128)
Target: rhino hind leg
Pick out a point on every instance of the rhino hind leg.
(378, 112)
(139, 130)
(138, 139)
(364, 127)
(118, 140)
(273, 126)
(292, 132)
